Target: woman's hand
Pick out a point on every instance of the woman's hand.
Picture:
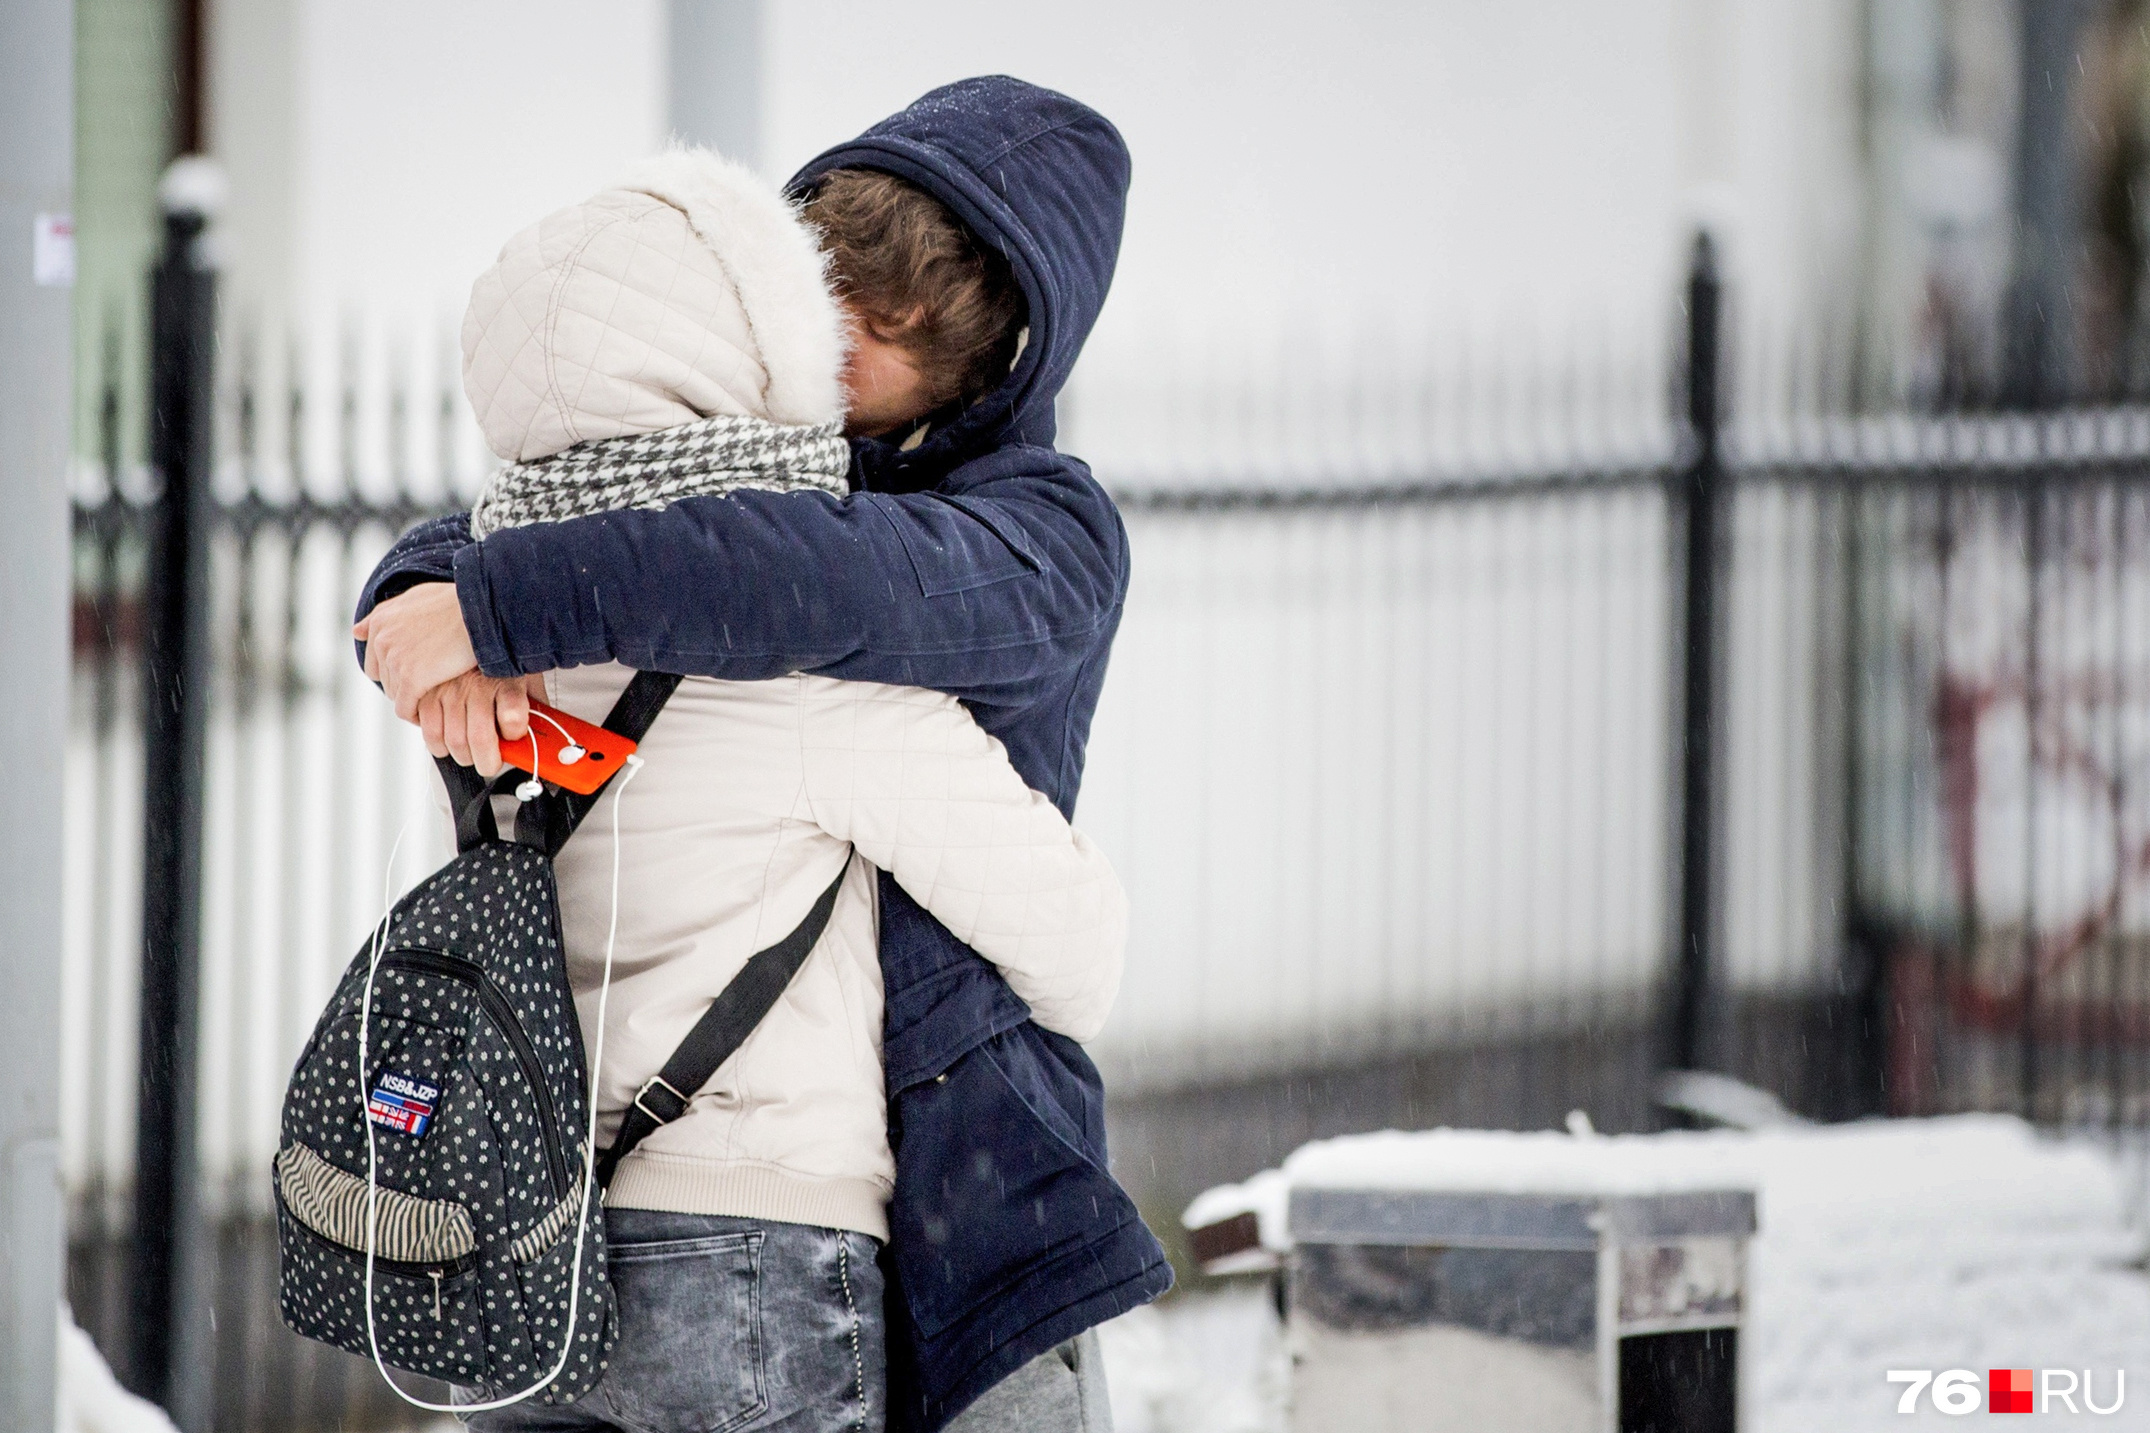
(470, 717)
(416, 642)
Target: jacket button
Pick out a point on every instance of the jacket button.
(940, 1079)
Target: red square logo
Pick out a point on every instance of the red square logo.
(2008, 1390)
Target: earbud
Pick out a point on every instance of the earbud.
(570, 753)
(530, 790)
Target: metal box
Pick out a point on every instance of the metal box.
(1478, 1313)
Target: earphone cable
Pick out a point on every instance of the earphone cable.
(565, 735)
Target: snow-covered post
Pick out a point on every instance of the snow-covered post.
(1476, 1281)
(37, 65)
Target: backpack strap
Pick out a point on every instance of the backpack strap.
(547, 822)
(723, 1028)
(470, 798)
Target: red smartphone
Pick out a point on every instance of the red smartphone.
(571, 753)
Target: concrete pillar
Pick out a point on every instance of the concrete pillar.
(714, 70)
(2043, 367)
(37, 64)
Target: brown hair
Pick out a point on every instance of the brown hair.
(920, 279)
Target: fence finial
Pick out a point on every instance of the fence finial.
(193, 184)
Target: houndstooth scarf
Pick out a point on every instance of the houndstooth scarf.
(654, 470)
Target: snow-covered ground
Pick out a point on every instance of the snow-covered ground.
(1959, 1243)
(1199, 1363)
(91, 1400)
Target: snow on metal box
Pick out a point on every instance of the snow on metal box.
(1528, 1310)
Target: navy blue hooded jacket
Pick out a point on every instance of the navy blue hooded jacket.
(982, 563)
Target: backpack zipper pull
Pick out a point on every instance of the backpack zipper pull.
(436, 1295)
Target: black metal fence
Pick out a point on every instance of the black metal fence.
(1465, 801)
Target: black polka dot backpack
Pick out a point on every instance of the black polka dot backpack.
(438, 1194)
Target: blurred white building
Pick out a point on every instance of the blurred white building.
(1360, 194)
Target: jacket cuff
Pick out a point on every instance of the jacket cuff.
(479, 619)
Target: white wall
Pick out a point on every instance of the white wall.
(423, 154)
(379, 156)
(1383, 778)
(1412, 189)
(381, 153)
(1312, 185)
(1447, 157)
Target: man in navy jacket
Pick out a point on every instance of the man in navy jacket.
(973, 559)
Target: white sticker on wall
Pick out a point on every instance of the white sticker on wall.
(52, 251)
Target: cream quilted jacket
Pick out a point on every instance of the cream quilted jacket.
(690, 290)
(752, 795)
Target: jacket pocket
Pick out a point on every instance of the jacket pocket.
(955, 544)
(689, 1358)
(988, 1188)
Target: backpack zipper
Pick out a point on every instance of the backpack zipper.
(402, 1268)
(501, 1012)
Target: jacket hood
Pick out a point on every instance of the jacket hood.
(691, 289)
(1041, 177)
(776, 268)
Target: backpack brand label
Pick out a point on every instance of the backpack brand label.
(402, 1103)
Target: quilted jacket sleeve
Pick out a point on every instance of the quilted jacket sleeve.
(908, 778)
(1001, 576)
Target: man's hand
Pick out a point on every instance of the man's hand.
(415, 642)
(471, 716)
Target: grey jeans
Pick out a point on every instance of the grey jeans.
(731, 1326)
(1060, 1391)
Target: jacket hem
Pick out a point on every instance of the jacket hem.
(1142, 1286)
(748, 1191)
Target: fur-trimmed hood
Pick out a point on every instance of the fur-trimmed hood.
(690, 289)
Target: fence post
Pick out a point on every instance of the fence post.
(166, 1285)
(1701, 494)
(1865, 1013)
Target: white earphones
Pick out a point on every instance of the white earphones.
(532, 789)
(572, 752)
